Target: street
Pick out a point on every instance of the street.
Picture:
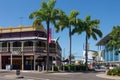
(31, 75)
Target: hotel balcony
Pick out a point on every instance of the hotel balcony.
(29, 49)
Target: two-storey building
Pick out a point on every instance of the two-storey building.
(24, 47)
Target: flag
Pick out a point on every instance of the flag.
(50, 37)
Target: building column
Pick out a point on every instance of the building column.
(11, 50)
(0, 61)
(119, 57)
(109, 55)
(0, 46)
(34, 45)
(7, 47)
(113, 55)
(34, 49)
(22, 47)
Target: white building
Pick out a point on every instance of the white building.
(90, 56)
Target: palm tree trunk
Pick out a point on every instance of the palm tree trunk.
(70, 44)
(86, 53)
(47, 62)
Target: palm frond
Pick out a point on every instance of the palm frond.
(87, 18)
(73, 14)
(97, 32)
(94, 36)
(44, 5)
(51, 4)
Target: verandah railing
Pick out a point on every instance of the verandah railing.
(29, 48)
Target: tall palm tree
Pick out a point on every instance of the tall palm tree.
(69, 21)
(90, 27)
(47, 13)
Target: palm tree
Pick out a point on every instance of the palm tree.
(47, 13)
(69, 21)
(90, 27)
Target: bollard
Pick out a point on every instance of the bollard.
(18, 74)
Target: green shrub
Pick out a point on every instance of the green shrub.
(113, 72)
(55, 68)
(68, 67)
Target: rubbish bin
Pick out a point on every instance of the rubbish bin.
(17, 72)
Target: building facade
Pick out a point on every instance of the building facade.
(104, 54)
(91, 56)
(25, 48)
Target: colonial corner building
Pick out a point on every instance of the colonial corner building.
(25, 48)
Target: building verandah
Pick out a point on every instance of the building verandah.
(33, 51)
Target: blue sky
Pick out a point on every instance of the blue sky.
(107, 11)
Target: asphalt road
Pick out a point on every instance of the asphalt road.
(30, 75)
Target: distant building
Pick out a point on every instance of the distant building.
(25, 48)
(90, 56)
(105, 55)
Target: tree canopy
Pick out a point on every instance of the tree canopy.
(114, 42)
